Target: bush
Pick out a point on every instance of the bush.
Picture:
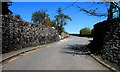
(86, 32)
(104, 57)
(23, 52)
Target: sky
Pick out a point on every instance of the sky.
(79, 19)
(60, 0)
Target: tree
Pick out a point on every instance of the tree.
(17, 16)
(54, 23)
(96, 11)
(85, 32)
(47, 22)
(61, 20)
(39, 16)
(5, 10)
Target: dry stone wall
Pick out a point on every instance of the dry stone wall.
(0, 35)
(19, 34)
(106, 40)
(64, 34)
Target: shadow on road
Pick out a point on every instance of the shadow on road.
(76, 49)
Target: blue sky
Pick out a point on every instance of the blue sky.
(79, 19)
(60, 0)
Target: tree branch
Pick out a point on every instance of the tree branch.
(115, 4)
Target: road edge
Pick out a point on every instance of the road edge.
(104, 64)
(32, 48)
(16, 54)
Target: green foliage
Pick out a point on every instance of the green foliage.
(9, 15)
(23, 52)
(60, 31)
(61, 20)
(85, 31)
(54, 24)
(104, 57)
(39, 16)
(47, 22)
(17, 16)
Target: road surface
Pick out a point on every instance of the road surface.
(68, 54)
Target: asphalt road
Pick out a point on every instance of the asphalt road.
(68, 54)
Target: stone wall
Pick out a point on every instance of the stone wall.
(64, 34)
(106, 40)
(19, 34)
(0, 35)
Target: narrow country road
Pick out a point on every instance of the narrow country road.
(68, 54)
